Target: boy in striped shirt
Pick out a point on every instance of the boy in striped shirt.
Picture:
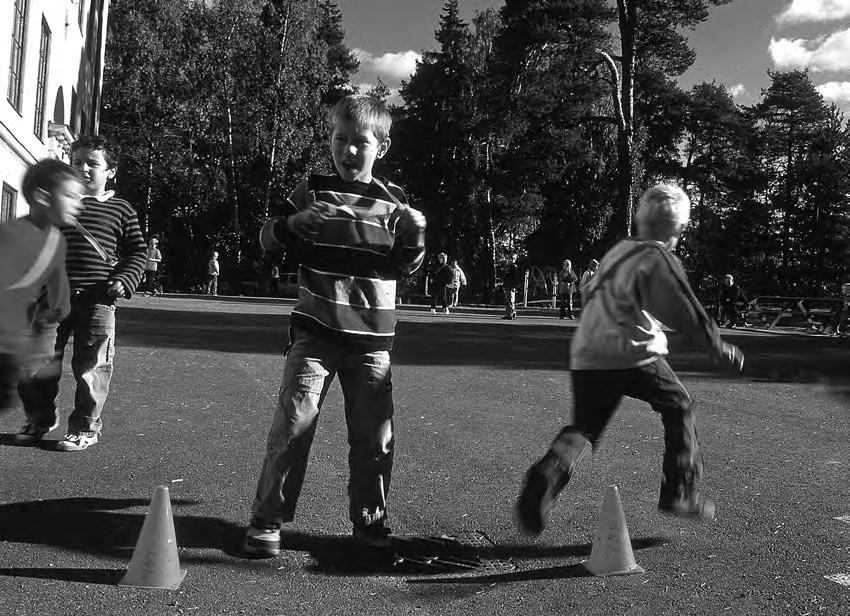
(619, 350)
(34, 291)
(105, 259)
(355, 237)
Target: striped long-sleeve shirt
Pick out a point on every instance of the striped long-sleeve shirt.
(639, 285)
(113, 222)
(348, 271)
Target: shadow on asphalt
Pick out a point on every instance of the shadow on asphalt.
(432, 556)
(110, 577)
(96, 526)
(775, 358)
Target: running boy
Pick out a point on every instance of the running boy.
(105, 259)
(619, 350)
(34, 290)
(355, 237)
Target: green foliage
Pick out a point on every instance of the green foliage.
(514, 135)
(220, 110)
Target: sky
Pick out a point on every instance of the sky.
(735, 47)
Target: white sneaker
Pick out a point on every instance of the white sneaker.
(77, 441)
(446, 309)
(433, 311)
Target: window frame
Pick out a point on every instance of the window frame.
(8, 203)
(17, 54)
(41, 83)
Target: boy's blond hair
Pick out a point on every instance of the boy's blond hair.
(366, 111)
(663, 211)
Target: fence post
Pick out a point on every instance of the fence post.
(525, 291)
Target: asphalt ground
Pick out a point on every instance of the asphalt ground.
(477, 400)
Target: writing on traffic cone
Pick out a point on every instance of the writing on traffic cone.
(612, 549)
(155, 563)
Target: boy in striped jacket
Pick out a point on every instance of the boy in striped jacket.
(355, 236)
(619, 350)
(105, 259)
(34, 291)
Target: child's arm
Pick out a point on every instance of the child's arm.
(300, 220)
(58, 289)
(409, 247)
(666, 294)
(128, 273)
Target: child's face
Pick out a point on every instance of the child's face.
(94, 168)
(354, 149)
(65, 203)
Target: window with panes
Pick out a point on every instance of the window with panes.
(41, 86)
(7, 205)
(16, 59)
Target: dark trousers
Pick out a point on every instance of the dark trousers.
(8, 381)
(150, 282)
(439, 293)
(728, 312)
(598, 393)
(565, 305)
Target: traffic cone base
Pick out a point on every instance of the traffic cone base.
(155, 563)
(612, 549)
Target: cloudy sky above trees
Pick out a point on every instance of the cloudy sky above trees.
(736, 47)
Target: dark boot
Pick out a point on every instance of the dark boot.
(680, 496)
(547, 477)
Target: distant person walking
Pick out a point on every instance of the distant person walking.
(566, 287)
(510, 283)
(213, 271)
(842, 317)
(730, 300)
(587, 276)
(152, 267)
(457, 281)
(274, 281)
(440, 280)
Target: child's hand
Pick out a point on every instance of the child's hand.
(307, 223)
(731, 356)
(410, 222)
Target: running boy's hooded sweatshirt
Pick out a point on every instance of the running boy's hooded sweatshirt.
(639, 285)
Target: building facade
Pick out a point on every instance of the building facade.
(51, 87)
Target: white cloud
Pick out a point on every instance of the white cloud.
(737, 90)
(834, 53)
(788, 53)
(830, 53)
(802, 11)
(835, 91)
(391, 67)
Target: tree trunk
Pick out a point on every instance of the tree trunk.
(625, 164)
(275, 117)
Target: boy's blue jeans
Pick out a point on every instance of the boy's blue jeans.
(366, 381)
(93, 327)
(597, 394)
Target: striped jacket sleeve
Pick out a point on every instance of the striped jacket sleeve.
(134, 255)
(276, 233)
(408, 250)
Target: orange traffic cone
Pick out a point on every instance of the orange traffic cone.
(612, 548)
(155, 563)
